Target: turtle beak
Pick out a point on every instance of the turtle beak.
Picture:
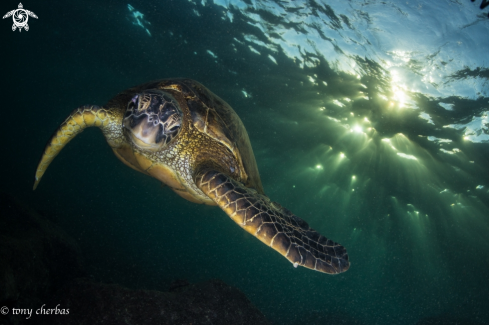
(145, 131)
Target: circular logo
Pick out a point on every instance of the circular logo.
(4, 310)
(20, 18)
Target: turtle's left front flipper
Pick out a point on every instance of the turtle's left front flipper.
(274, 225)
(107, 120)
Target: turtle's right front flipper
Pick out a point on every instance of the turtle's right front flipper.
(274, 225)
(81, 118)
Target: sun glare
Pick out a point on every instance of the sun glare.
(399, 96)
(357, 129)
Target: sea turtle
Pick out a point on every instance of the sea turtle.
(179, 132)
(20, 17)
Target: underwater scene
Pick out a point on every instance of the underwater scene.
(367, 119)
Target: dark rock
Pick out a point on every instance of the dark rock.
(36, 258)
(40, 266)
(178, 284)
(211, 302)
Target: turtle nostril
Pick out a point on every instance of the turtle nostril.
(153, 120)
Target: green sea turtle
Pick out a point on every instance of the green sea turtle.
(20, 17)
(182, 134)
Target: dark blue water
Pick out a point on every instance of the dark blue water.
(368, 119)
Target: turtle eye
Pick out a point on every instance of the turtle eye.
(132, 103)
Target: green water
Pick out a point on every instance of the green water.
(346, 149)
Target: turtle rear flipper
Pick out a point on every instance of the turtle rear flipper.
(26, 27)
(274, 225)
(14, 28)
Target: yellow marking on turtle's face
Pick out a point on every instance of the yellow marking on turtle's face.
(144, 102)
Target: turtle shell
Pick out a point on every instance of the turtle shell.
(210, 115)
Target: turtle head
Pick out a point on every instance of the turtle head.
(152, 119)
